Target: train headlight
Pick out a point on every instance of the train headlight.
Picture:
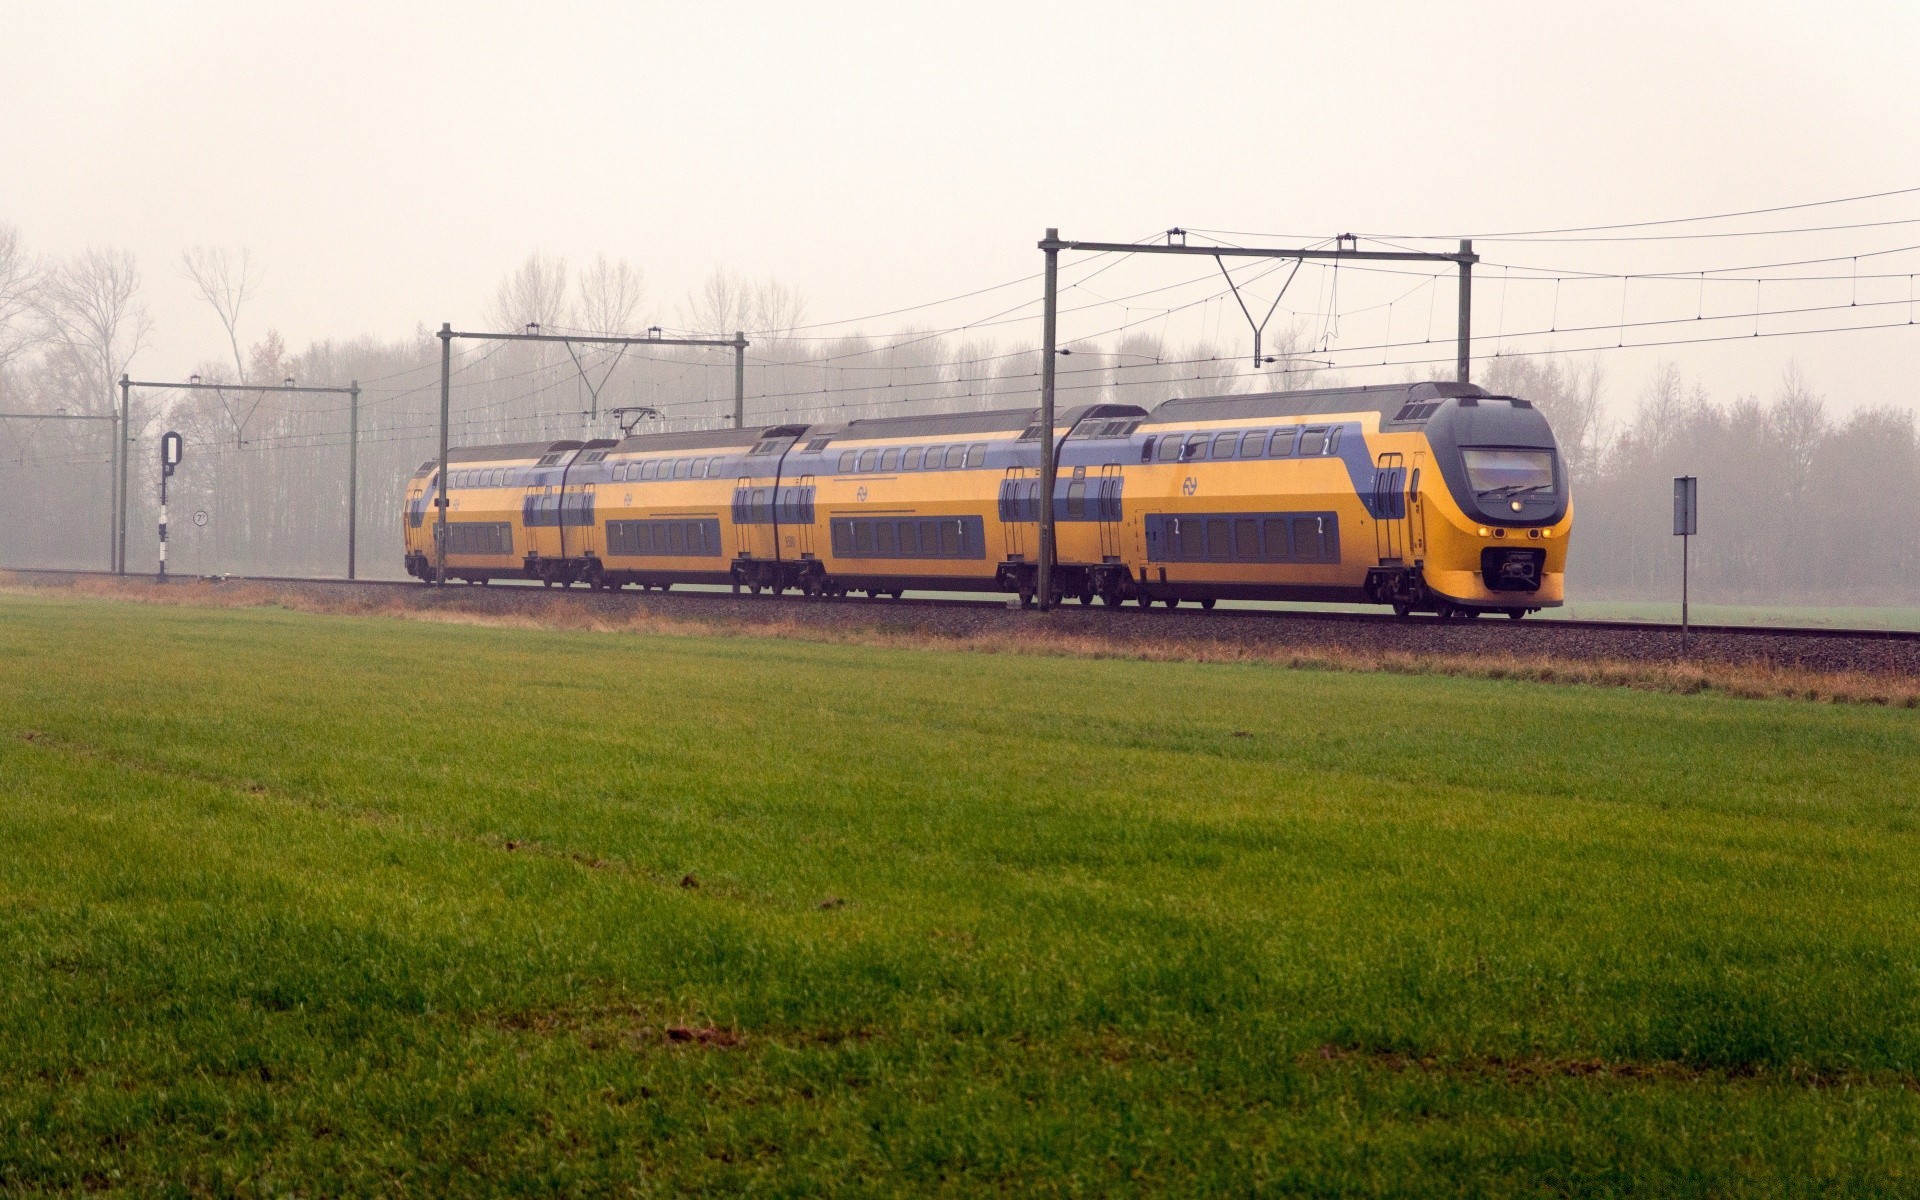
(1485, 532)
(1515, 505)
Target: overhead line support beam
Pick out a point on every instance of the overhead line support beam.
(126, 385)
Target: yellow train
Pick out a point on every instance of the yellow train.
(1430, 497)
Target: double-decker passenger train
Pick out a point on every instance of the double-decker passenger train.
(1430, 497)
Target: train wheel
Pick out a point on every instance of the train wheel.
(1172, 602)
(1207, 603)
(1516, 613)
(1402, 609)
(1026, 595)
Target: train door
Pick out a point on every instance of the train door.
(753, 519)
(1016, 490)
(1390, 508)
(1106, 500)
(535, 508)
(1416, 513)
(801, 516)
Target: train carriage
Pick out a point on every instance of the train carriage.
(666, 503)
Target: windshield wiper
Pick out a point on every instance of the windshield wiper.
(1517, 489)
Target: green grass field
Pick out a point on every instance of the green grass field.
(320, 906)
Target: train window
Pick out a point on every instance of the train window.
(1253, 445)
(976, 455)
(1170, 447)
(1333, 441)
(1186, 537)
(698, 470)
(1313, 441)
(1217, 535)
(863, 539)
(1309, 539)
(956, 457)
(1282, 444)
(883, 544)
(1246, 539)
(869, 459)
(1196, 447)
(649, 469)
(682, 468)
(1224, 444)
(845, 466)
(890, 460)
(1274, 530)
(1077, 500)
(950, 536)
(910, 461)
(1146, 450)
(619, 472)
(935, 455)
(817, 445)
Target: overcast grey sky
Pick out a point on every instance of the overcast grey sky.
(387, 162)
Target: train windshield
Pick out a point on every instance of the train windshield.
(1508, 472)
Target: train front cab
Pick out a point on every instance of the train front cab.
(1490, 511)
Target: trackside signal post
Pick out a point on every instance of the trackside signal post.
(1176, 243)
(1686, 523)
(172, 449)
(448, 333)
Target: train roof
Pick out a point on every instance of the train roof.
(1386, 399)
(997, 420)
(531, 451)
(699, 439)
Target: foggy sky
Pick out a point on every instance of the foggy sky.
(386, 163)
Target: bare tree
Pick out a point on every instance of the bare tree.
(19, 293)
(720, 305)
(226, 283)
(610, 295)
(727, 302)
(535, 293)
(91, 305)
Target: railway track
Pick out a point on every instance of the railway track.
(1875, 651)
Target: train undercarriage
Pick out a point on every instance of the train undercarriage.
(1403, 588)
